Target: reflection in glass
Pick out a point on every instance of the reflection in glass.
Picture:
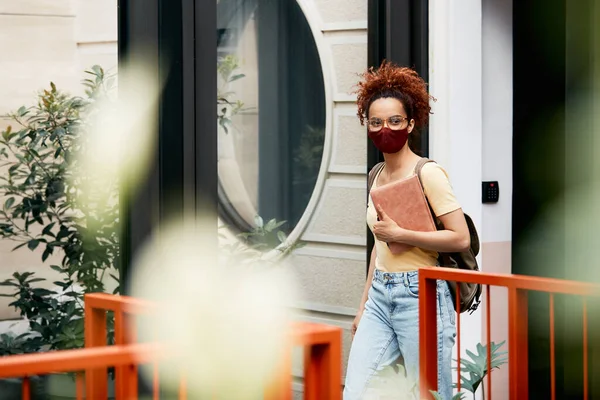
(271, 112)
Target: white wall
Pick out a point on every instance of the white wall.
(497, 164)
(497, 115)
(455, 78)
(471, 134)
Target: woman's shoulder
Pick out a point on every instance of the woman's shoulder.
(438, 189)
(433, 170)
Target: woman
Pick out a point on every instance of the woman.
(395, 103)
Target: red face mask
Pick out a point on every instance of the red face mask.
(389, 141)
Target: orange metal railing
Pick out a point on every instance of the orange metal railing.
(322, 365)
(125, 357)
(95, 333)
(518, 287)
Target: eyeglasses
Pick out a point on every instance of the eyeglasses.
(394, 122)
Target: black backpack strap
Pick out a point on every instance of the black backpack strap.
(373, 174)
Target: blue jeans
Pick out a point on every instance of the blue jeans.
(389, 330)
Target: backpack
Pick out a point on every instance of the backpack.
(470, 293)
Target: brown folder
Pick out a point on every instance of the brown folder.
(405, 203)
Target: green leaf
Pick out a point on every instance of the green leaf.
(281, 236)
(9, 202)
(63, 285)
(47, 253)
(48, 228)
(270, 225)
(258, 221)
(236, 77)
(42, 292)
(19, 246)
(33, 244)
(57, 268)
(98, 70)
(476, 368)
(436, 395)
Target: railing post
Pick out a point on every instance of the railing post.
(96, 382)
(26, 388)
(517, 343)
(125, 376)
(322, 369)
(428, 357)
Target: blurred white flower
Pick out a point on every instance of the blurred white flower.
(120, 132)
(229, 323)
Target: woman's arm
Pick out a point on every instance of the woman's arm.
(454, 238)
(365, 295)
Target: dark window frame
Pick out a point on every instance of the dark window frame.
(177, 41)
(397, 32)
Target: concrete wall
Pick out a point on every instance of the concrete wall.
(43, 41)
(331, 267)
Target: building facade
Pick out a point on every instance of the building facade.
(287, 144)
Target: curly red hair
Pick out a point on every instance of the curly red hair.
(401, 83)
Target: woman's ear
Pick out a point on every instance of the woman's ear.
(411, 125)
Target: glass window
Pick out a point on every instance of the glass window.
(271, 112)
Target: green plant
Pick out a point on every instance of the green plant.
(475, 369)
(251, 247)
(53, 324)
(227, 107)
(45, 205)
(46, 208)
(308, 154)
(12, 345)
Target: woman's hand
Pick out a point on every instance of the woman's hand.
(356, 322)
(385, 229)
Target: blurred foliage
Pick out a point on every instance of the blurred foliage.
(391, 383)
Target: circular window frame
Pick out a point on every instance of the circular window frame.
(235, 223)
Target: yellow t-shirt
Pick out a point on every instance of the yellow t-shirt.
(440, 195)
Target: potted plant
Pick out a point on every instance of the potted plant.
(46, 209)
